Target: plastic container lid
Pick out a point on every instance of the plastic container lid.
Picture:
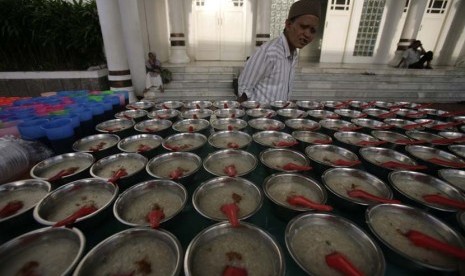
(31, 129)
(59, 129)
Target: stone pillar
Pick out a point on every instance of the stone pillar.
(263, 12)
(134, 43)
(410, 29)
(178, 52)
(119, 75)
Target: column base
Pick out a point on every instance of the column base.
(396, 59)
(179, 55)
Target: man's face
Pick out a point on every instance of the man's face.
(301, 31)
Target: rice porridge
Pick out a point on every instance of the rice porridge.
(457, 181)
(165, 168)
(185, 144)
(242, 164)
(226, 142)
(54, 169)
(135, 146)
(417, 189)
(327, 157)
(342, 184)
(130, 165)
(97, 144)
(212, 199)
(281, 191)
(278, 161)
(29, 197)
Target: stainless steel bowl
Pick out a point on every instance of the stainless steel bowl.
(429, 137)
(217, 162)
(403, 125)
(307, 105)
(410, 113)
(382, 104)
(51, 168)
(197, 114)
(253, 104)
(99, 145)
(388, 222)
(454, 135)
(276, 159)
(275, 105)
(261, 113)
(330, 126)
(375, 158)
(186, 163)
(230, 140)
(67, 199)
(226, 104)
(228, 124)
(361, 105)
(311, 236)
(454, 177)
(425, 155)
(333, 105)
(27, 193)
(229, 113)
(260, 124)
(340, 181)
(353, 141)
(120, 127)
(291, 113)
(349, 113)
(458, 150)
(259, 251)
(192, 125)
(132, 206)
(209, 196)
(145, 105)
(154, 126)
(379, 113)
(185, 142)
(370, 124)
(436, 125)
(394, 140)
(274, 139)
(48, 251)
(310, 138)
(133, 114)
(198, 104)
(326, 156)
(170, 105)
(319, 114)
(165, 114)
(414, 185)
(145, 144)
(302, 124)
(124, 251)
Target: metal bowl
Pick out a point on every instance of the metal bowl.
(165, 114)
(134, 114)
(330, 126)
(324, 156)
(192, 126)
(226, 104)
(48, 251)
(51, 168)
(275, 105)
(27, 193)
(132, 163)
(425, 154)
(370, 124)
(229, 113)
(159, 127)
(403, 125)
(388, 222)
(319, 114)
(230, 140)
(340, 181)
(217, 162)
(228, 124)
(145, 105)
(259, 252)
(377, 113)
(278, 187)
(428, 137)
(436, 126)
(458, 150)
(170, 105)
(261, 113)
(307, 105)
(361, 105)
(208, 198)
(384, 105)
(276, 159)
(253, 104)
(260, 124)
(311, 138)
(133, 205)
(99, 145)
(454, 177)
(291, 113)
(185, 142)
(302, 124)
(197, 114)
(311, 236)
(198, 105)
(273, 138)
(67, 199)
(394, 140)
(434, 113)
(454, 135)
(162, 166)
(120, 127)
(349, 113)
(353, 141)
(130, 249)
(411, 113)
(414, 185)
(333, 105)
(145, 144)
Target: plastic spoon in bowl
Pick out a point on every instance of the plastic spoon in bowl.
(370, 143)
(151, 129)
(321, 141)
(81, 212)
(63, 173)
(121, 172)
(233, 145)
(11, 208)
(422, 240)
(339, 262)
(448, 141)
(439, 199)
(400, 165)
(416, 125)
(155, 216)
(231, 210)
(298, 200)
(230, 170)
(446, 163)
(343, 104)
(113, 129)
(284, 143)
(446, 125)
(454, 113)
(295, 167)
(365, 195)
(234, 271)
(177, 173)
(389, 113)
(343, 162)
(143, 148)
(98, 147)
(190, 129)
(194, 116)
(350, 128)
(368, 104)
(230, 128)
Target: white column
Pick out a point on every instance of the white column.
(411, 28)
(134, 43)
(262, 33)
(177, 34)
(119, 75)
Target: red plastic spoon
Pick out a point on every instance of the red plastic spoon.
(121, 172)
(177, 173)
(340, 262)
(350, 128)
(230, 170)
(446, 163)
(399, 165)
(11, 208)
(190, 129)
(295, 167)
(98, 147)
(151, 129)
(231, 210)
(320, 141)
(369, 104)
(454, 113)
(388, 114)
(302, 201)
(422, 240)
(365, 195)
(143, 148)
(233, 145)
(155, 216)
(63, 173)
(446, 125)
(439, 199)
(230, 127)
(370, 143)
(234, 271)
(447, 141)
(416, 125)
(81, 212)
(343, 162)
(284, 143)
(409, 142)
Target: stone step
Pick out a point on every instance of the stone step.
(199, 84)
(380, 85)
(376, 78)
(202, 76)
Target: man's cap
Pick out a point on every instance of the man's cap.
(304, 7)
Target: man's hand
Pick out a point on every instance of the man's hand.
(242, 98)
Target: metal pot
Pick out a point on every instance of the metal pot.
(320, 114)
(260, 113)
(274, 139)
(144, 105)
(369, 124)
(302, 124)
(253, 105)
(348, 114)
(134, 114)
(434, 158)
(229, 113)
(330, 126)
(308, 138)
(226, 104)
(275, 105)
(454, 177)
(394, 140)
(291, 113)
(308, 105)
(354, 141)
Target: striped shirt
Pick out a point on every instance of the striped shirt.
(269, 73)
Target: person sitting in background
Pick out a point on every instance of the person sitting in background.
(415, 57)
(153, 78)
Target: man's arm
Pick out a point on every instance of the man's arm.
(254, 71)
